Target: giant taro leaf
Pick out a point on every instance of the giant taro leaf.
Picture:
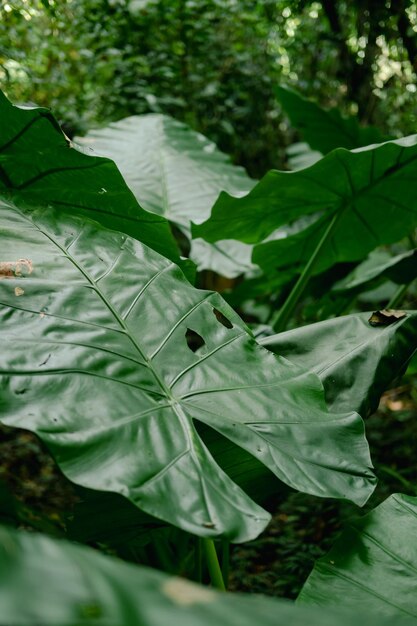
(109, 355)
(325, 130)
(373, 565)
(354, 360)
(56, 583)
(365, 197)
(39, 167)
(178, 173)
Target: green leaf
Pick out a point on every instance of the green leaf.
(134, 354)
(400, 269)
(178, 173)
(373, 565)
(355, 361)
(56, 583)
(370, 193)
(325, 130)
(39, 167)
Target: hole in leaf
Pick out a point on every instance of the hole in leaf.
(222, 319)
(194, 340)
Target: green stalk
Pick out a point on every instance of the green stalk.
(279, 322)
(213, 564)
(225, 561)
(198, 563)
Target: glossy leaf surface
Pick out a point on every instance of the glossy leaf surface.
(373, 565)
(325, 130)
(63, 584)
(178, 173)
(354, 360)
(135, 354)
(370, 193)
(39, 167)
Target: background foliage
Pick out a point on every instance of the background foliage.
(212, 63)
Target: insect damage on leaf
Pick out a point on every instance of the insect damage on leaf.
(15, 269)
(222, 319)
(385, 317)
(194, 340)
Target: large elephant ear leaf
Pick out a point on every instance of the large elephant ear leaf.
(373, 565)
(65, 584)
(356, 201)
(39, 167)
(325, 130)
(178, 173)
(355, 361)
(110, 356)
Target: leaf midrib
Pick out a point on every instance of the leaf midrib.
(174, 403)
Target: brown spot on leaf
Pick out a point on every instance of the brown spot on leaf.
(15, 269)
(185, 593)
(18, 291)
(385, 317)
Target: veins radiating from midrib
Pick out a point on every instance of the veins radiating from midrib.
(110, 308)
(183, 419)
(193, 441)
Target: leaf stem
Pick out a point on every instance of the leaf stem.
(279, 321)
(213, 564)
(225, 561)
(198, 564)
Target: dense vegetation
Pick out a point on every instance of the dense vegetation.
(187, 351)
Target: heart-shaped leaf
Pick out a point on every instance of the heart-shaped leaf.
(373, 565)
(110, 355)
(361, 198)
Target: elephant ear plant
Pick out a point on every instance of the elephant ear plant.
(123, 369)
